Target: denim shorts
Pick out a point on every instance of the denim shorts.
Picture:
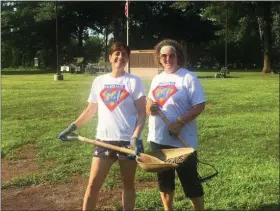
(101, 152)
(187, 173)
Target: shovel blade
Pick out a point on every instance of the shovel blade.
(165, 154)
(155, 167)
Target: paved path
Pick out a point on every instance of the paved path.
(145, 73)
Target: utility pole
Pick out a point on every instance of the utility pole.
(226, 34)
(58, 75)
(127, 31)
(226, 37)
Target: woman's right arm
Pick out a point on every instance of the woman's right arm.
(86, 115)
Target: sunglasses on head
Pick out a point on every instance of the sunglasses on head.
(164, 56)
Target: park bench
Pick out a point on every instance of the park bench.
(92, 69)
(106, 68)
(74, 68)
(64, 68)
(223, 73)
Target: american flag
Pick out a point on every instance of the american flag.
(126, 9)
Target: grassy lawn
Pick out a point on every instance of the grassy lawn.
(239, 134)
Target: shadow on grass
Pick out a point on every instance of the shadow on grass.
(26, 72)
(219, 78)
(269, 207)
(265, 207)
(230, 69)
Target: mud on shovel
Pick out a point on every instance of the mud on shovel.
(202, 179)
(155, 161)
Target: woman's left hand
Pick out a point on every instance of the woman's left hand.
(175, 127)
(137, 145)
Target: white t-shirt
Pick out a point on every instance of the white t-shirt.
(116, 98)
(176, 93)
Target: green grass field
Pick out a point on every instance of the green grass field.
(238, 133)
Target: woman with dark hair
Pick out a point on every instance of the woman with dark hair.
(179, 95)
(119, 98)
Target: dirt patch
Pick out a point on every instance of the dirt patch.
(50, 197)
(24, 163)
(60, 197)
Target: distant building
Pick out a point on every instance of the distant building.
(142, 59)
(142, 63)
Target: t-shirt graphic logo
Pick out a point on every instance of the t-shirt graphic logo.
(112, 97)
(163, 93)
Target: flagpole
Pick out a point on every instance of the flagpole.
(127, 34)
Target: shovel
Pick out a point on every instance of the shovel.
(155, 161)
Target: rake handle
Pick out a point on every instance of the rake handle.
(167, 122)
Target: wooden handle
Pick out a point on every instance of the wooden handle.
(167, 122)
(145, 158)
(107, 146)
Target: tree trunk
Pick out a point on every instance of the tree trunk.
(80, 36)
(267, 21)
(185, 50)
(106, 46)
(106, 42)
(118, 30)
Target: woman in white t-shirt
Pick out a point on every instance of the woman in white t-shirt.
(177, 92)
(119, 98)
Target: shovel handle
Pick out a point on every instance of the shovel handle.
(167, 122)
(144, 156)
(108, 146)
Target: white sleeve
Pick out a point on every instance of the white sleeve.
(139, 89)
(93, 96)
(195, 90)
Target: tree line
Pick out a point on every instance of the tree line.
(238, 34)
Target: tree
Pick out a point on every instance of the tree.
(154, 21)
(243, 21)
(29, 29)
(92, 49)
(15, 22)
(250, 29)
